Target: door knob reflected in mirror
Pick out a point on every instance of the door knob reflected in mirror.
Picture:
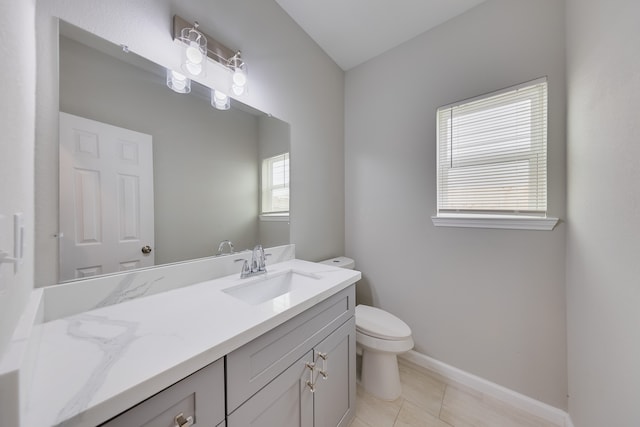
(146, 249)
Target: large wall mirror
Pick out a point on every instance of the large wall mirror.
(198, 183)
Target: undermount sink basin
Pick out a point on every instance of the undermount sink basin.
(270, 286)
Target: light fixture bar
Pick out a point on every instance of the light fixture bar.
(215, 50)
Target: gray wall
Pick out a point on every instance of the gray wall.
(603, 233)
(290, 77)
(17, 115)
(490, 302)
(205, 161)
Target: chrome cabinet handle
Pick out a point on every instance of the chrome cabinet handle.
(310, 382)
(325, 365)
(146, 249)
(181, 421)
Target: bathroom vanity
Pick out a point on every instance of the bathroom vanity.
(301, 373)
(271, 350)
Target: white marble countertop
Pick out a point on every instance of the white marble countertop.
(91, 366)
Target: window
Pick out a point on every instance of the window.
(275, 185)
(492, 156)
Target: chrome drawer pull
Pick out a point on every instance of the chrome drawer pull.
(323, 371)
(310, 382)
(181, 421)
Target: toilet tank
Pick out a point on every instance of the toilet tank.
(341, 261)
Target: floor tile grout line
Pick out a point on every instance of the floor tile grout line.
(446, 386)
(395, 420)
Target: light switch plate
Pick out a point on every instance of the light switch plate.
(18, 240)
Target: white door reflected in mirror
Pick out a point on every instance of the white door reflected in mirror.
(106, 198)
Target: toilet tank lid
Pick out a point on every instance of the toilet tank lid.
(341, 261)
(380, 324)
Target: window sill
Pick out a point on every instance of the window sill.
(500, 222)
(284, 217)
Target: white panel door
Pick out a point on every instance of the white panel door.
(106, 198)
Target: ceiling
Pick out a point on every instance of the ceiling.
(354, 31)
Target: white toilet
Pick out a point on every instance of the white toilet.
(380, 336)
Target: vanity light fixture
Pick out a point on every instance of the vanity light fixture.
(195, 58)
(178, 82)
(220, 100)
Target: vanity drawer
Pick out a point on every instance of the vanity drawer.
(200, 395)
(254, 365)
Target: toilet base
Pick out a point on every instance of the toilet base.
(380, 376)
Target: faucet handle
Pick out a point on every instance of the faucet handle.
(246, 270)
(259, 257)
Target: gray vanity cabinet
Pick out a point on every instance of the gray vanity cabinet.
(270, 380)
(199, 399)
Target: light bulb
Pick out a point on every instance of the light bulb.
(220, 100)
(178, 76)
(193, 69)
(194, 54)
(178, 82)
(239, 77)
(237, 90)
(239, 80)
(220, 96)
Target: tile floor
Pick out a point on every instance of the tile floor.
(428, 401)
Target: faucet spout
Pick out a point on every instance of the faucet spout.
(223, 244)
(257, 264)
(258, 257)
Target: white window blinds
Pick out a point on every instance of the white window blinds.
(492, 153)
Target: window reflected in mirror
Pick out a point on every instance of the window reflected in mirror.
(275, 185)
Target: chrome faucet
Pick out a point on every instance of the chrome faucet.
(257, 265)
(222, 245)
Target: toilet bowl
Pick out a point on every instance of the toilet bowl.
(380, 337)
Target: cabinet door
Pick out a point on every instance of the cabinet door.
(335, 395)
(284, 402)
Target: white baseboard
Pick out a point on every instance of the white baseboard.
(513, 398)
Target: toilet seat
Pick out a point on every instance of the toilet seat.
(380, 324)
(367, 342)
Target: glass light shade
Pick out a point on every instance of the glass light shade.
(194, 56)
(239, 78)
(220, 100)
(178, 82)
